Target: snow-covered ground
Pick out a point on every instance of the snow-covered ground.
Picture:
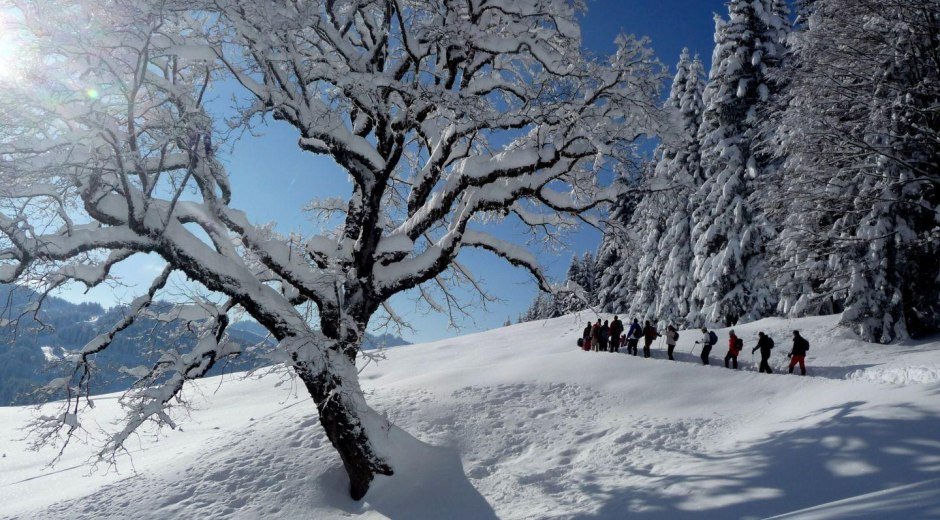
(519, 423)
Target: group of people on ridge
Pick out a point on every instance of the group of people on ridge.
(611, 337)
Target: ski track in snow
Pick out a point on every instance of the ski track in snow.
(517, 423)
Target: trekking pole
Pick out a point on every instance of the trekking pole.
(693, 348)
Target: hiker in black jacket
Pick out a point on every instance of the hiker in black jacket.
(798, 353)
(586, 337)
(604, 337)
(765, 344)
(616, 329)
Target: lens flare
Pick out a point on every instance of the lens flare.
(10, 51)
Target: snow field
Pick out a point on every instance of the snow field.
(519, 423)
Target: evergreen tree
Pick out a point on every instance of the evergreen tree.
(861, 141)
(579, 280)
(730, 229)
(616, 261)
(685, 172)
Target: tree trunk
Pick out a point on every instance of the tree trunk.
(341, 406)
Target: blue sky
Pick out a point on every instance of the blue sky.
(272, 179)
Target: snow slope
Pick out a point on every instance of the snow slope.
(518, 423)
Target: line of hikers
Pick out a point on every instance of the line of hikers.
(611, 337)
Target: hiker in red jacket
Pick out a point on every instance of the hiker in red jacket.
(649, 336)
(735, 345)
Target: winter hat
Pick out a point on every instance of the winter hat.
(732, 332)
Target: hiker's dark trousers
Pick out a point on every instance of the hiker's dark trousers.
(632, 346)
(706, 350)
(734, 360)
(765, 366)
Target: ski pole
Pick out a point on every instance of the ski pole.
(693, 348)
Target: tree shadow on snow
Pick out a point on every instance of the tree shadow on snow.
(429, 484)
(846, 455)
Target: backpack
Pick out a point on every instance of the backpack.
(581, 342)
(804, 343)
(675, 336)
(637, 333)
(739, 343)
(712, 337)
(770, 340)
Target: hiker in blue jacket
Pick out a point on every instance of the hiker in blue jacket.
(633, 337)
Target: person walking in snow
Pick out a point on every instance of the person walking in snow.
(672, 337)
(616, 329)
(596, 335)
(633, 337)
(735, 345)
(604, 337)
(708, 341)
(586, 337)
(765, 344)
(798, 352)
(649, 336)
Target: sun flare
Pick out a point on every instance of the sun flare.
(11, 51)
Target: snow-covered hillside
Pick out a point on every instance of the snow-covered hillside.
(519, 423)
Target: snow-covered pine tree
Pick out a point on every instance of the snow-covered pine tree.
(649, 222)
(801, 269)
(617, 255)
(684, 171)
(579, 281)
(543, 307)
(862, 141)
(587, 276)
(730, 229)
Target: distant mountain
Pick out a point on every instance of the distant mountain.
(251, 329)
(34, 351)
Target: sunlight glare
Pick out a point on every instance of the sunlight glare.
(10, 51)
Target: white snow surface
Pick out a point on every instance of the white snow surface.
(519, 423)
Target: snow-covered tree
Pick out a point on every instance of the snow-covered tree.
(647, 256)
(730, 229)
(684, 175)
(578, 295)
(861, 141)
(616, 256)
(447, 116)
(587, 275)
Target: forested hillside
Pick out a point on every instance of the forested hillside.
(801, 178)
